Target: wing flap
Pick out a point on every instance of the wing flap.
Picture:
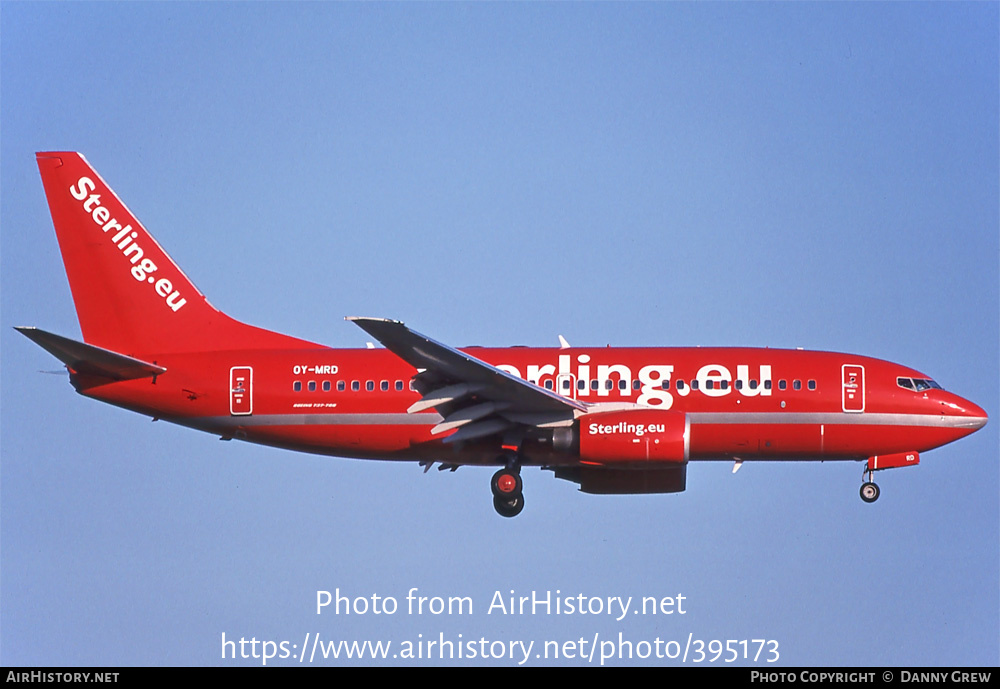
(478, 429)
(467, 415)
(445, 395)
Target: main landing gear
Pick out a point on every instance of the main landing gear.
(508, 500)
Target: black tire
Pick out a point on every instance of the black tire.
(509, 508)
(869, 492)
(506, 485)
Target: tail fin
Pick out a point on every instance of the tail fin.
(129, 295)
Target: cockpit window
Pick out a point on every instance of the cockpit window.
(917, 384)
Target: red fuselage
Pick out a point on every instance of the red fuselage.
(741, 403)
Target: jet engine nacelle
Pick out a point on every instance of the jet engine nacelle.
(634, 436)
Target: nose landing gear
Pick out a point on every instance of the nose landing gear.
(869, 490)
(508, 499)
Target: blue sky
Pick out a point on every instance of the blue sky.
(815, 175)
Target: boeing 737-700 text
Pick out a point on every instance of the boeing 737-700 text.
(613, 420)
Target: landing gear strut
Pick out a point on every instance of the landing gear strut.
(869, 489)
(508, 500)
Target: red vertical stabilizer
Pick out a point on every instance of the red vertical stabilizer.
(130, 296)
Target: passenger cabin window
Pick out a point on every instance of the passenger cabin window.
(312, 386)
(548, 384)
(326, 386)
(297, 386)
(782, 384)
(384, 385)
(797, 384)
(370, 385)
(680, 383)
(355, 385)
(340, 386)
(812, 384)
(399, 385)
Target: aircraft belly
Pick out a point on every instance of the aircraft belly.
(755, 440)
(351, 439)
(888, 439)
(817, 436)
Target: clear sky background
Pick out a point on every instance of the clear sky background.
(814, 175)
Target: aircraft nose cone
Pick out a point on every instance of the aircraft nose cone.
(976, 415)
(980, 415)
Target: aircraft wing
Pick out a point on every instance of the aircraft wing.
(474, 397)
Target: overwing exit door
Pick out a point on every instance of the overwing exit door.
(566, 385)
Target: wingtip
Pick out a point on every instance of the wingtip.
(369, 319)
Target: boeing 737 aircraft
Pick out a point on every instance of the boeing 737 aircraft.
(612, 420)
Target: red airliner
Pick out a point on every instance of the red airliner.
(613, 420)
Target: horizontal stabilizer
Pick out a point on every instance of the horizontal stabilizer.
(84, 358)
